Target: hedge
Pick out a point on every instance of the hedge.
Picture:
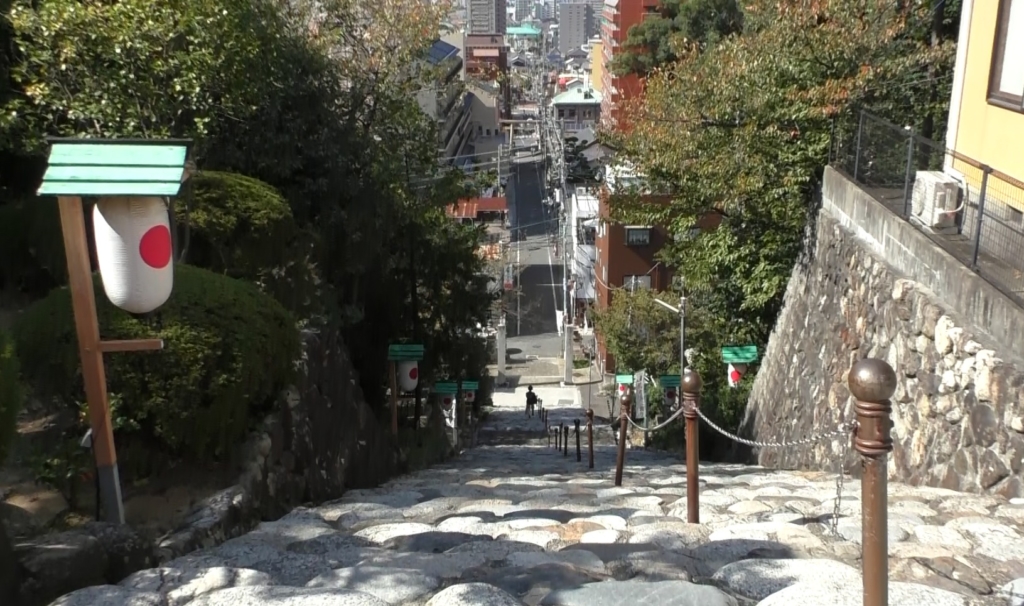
(244, 228)
(229, 350)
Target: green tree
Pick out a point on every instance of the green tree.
(676, 27)
(639, 333)
(743, 129)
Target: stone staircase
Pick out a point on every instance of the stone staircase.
(512, 524)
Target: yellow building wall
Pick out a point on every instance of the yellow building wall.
(596, 65)
(987, 134)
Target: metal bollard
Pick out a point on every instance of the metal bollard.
(624, 401)
(548, 431)
(558, 438)
(565, 441)
(691, 384)
(579, 453)
(590, 435)
(872, 383)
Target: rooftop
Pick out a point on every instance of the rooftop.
(578, 96)
(522, 30)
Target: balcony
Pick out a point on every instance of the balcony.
(979, 219)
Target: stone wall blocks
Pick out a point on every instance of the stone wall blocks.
(958, 419)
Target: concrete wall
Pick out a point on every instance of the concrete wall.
(866, 287)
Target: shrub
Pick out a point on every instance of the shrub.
(31, 248)
(244, 228)
(229, 349)
(12, 395)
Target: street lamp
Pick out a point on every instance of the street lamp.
(681, 310)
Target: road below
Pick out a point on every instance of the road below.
(512, 524)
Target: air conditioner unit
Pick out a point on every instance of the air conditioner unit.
(934, 199)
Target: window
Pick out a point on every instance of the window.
(638, 236)
(1006, 79)
(636, 282)
(488, 132)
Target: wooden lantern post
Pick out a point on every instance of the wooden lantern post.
(80, 168)
(399, 352)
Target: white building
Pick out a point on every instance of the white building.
(583, 217)
(577, 109)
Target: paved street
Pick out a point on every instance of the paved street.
(511, 524)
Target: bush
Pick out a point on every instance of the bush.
(12, 395)
(229, 350)
(242, 227)
(31, 248)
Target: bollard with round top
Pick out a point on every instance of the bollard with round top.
(872, 383)
(590, 435)
(624, 404)
(690, 386)
(579, 454)
(565, 441)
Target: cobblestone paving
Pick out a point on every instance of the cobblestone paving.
(513, 525)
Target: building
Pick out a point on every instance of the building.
(523, 37)
(583, 217)
(486, 17)
(575, 21)
(986, 112)
(486, 58)
(596, 58)
(522, 11)
(447, 103)
(617, 18)
(577, 109)
(485, 122)
(986, 126)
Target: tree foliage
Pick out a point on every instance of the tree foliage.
(314, 99)
(676, 28)
(743, 129)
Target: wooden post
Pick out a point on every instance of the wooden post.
(83, 301)
(579, 454)
(691, 385)
(872, 383)
(393, 384)
(590, 435)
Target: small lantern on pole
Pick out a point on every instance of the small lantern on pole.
(133, 180)
(403, 372)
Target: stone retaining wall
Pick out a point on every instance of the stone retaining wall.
(957, 412)
(322, 440)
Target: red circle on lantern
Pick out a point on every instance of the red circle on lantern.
(414, 373)
(447, 401)
(155, 247)
(735, 376)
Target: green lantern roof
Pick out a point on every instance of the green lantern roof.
(115, 167)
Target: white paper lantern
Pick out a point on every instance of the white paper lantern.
(408, 375)
(133, 246)
(470, 396)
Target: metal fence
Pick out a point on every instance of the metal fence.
(983, 227)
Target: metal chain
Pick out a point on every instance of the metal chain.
(656, 427)
(844, 446)
(843, 429)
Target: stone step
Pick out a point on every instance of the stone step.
(524, 525)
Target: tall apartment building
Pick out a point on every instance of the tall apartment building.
(617, 18)
(575, 20)
(486, 17)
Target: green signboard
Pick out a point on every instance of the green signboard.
(670, 381)
(405, 352)
(744, 354)
(114, 167)
(448, 389)
(624, 379)
(470, 385)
